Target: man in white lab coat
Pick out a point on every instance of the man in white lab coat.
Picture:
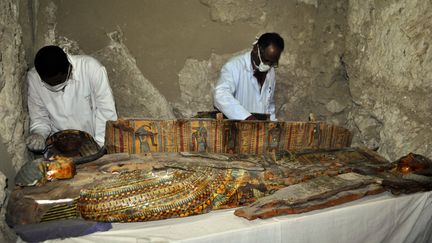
(247, 82)
(67, 92)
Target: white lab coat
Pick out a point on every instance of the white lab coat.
(85, 104)
(237, 92)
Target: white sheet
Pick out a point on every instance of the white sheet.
(379, 218)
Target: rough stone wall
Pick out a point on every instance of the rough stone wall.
(134, 94)
(359, 64)
(12, 116)
(389, 64)
(311, 77)
(6, 234)
(12, 71)
(197, 80)
(159, 35)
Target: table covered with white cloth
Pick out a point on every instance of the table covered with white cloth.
(379, 218)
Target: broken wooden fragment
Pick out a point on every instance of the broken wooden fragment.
(317, 193)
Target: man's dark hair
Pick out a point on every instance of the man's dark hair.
(271, 38)
(51, 60)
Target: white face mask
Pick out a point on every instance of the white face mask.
(262, 67)
(58, 87)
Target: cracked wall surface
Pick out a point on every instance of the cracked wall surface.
(135, 96)
(311, 77)
(12, 71)
(161, 35)
(13, 152)
(181, 54)
(389, 67)
(336, 62)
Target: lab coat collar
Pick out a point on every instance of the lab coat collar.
(72, 61)
(248, 62)
(248, 66)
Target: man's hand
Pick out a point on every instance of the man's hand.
(251, 117)
(35, 142)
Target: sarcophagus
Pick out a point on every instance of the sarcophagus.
(129, 187)
(221, 136)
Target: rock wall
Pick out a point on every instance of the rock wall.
(352, 63)
(12, 71)
(135, 96)
(389, 67)
(13, 152)
(180, 60)
(311, 77)
(6, 234)
(361, 64)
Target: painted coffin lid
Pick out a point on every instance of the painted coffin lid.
(221, 136)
